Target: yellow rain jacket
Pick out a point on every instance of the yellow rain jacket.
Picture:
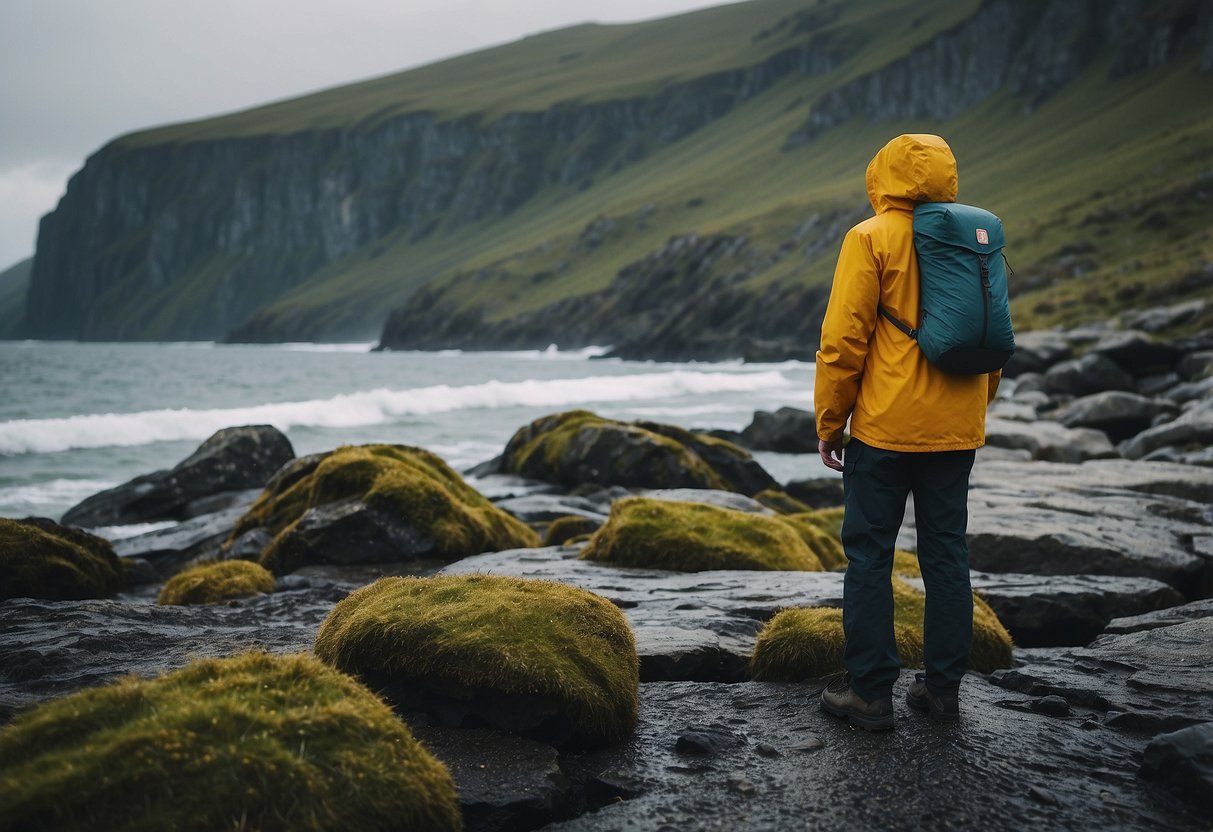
(869, 370)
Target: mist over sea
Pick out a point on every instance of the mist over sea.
(78, 418)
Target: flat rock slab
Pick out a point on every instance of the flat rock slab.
(688, 626)
(776, 761)
(1107, 518)
(51, 648)
(1161, 618)
(1068, 610)
(1152, 680)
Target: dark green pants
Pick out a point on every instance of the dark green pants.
(876, 483)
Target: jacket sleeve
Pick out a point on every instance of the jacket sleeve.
(849, 322)
(993, 380)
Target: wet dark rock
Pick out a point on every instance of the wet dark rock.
(1159, 318)
(1118, 414)
(1157, 385)
(505, 782)
(708, 740)
(544, 508)
(1153, 680)
(721, 499)
(1181, 763)
(199, 538)
(688, 626)
(822, 492)
(1093, 373)
(1068, 610)
(1191, 391)
(1036, 352)
(1195, 366)
(1195, 427)
(348, 532)
(979, 773)
(788, 430)
(1051, 706)
(1033, 383)
(1049, 441)
(1162, 618)
(1137, 353)
(233, 459)
(50, 648)
(1104, 517)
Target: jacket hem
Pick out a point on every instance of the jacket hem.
(920, 448)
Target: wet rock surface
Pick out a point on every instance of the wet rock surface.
(776, 761)
(233, 459)
(1162, 618)
(1153, 680)
(199, 538)
(50, 648)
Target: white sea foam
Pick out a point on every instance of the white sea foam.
(38, 498)
(372, 407)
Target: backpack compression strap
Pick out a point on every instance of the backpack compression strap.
(906, 328)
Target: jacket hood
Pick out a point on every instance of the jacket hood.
(910, 169)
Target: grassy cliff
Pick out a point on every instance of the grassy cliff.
(513, 180)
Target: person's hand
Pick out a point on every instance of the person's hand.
(831, 453)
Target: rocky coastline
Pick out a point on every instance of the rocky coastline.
(1091, 537)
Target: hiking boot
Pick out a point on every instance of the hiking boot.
(840, 700)
(943, 708)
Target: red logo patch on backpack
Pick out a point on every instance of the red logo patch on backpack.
(983, 238)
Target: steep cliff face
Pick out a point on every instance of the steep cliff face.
(234, 224)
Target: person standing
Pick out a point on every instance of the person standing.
(914, 430)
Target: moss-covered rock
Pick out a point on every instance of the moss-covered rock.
(209, 583)
(815, 531)
(252, 742)
(375, 503)
(695, 537)
(535, 657)
(802, 643)
(41, 559)
(781, 501)
(578, 447)
(569, 529)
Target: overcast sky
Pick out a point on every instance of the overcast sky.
(76, 73)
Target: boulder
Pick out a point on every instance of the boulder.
(537, 658)
(373, 504)
(1118, 414)
(1137, 353)
(577, 447)
(820, 492)
(212, 583)
(1181, 764)
(234, 459)
(1068, 610)
(199, 538)
(255, 741)
(1193, 427)
(41, 559)
(1093, 373)
(1036, 352)
(788, 430)
(1049, 441)
(1191, 391)
(1159, 318)
(1157, 385)
(1195, 366)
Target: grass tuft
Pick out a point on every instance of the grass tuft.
(209, 583)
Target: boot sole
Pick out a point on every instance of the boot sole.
(867, 723)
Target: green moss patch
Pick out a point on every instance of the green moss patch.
(510, 637)
(695, 537)
(805, 643)
(401, 482)
(569, 529)
(818, 535)
(41, 559)
(209, 583)
(251, 742)
(578, 447)
(781, 501)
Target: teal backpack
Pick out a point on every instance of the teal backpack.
(964, 321)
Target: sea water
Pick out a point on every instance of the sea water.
(78, 418)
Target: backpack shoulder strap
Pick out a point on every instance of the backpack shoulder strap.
(904, 327)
